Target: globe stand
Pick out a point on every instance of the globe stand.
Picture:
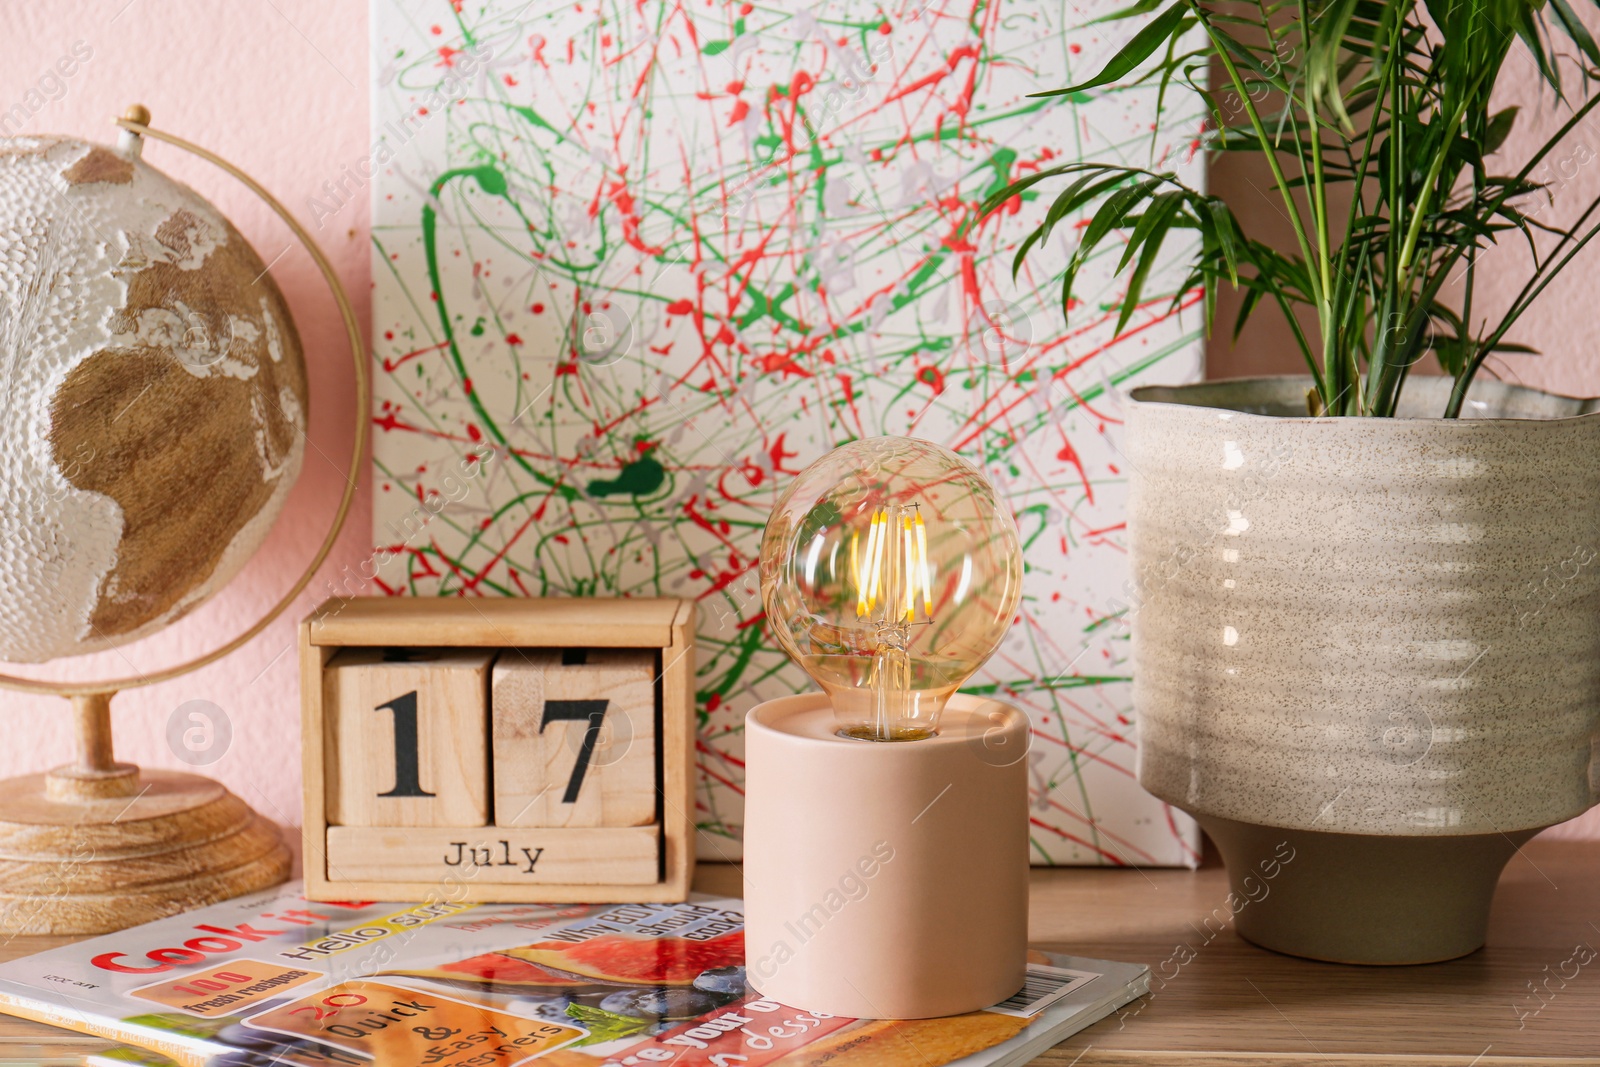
(96, 845)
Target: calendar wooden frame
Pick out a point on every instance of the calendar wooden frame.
(665, 625)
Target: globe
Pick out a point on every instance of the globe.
(153, 399)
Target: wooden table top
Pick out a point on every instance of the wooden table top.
(1222, 1002)
(1217, 1001)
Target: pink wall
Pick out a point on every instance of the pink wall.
(279, 88)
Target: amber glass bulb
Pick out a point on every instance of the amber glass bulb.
(890, 573)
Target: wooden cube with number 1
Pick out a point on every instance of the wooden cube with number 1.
(406, 737)
(574, 737)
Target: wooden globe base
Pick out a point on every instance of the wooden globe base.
(99, 845)
(90, 855)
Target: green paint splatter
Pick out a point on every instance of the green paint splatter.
(535, 118)
(640, 478)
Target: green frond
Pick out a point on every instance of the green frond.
(1383, 102)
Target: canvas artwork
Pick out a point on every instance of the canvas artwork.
(637, 264)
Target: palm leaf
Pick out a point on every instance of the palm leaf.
(1133, 54)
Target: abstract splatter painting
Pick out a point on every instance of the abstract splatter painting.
(637, 263)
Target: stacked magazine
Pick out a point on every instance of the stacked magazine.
(272, 978)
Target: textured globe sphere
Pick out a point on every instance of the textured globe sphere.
(152, 399)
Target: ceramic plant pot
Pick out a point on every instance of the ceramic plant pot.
(1366, 652)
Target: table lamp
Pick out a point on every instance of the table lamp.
(886, 848)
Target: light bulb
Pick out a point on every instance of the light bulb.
(890, 573)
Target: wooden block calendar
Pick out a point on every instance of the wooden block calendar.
(512, 750)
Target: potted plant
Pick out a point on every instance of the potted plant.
(1365, 620)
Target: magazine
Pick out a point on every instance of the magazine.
(272, 978)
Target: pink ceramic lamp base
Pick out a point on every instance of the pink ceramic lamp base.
(886, 880)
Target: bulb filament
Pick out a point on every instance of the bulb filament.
(892, 574)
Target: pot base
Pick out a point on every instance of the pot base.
(1359, 898)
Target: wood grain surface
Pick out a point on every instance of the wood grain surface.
(526, 857)
(1233, 1005)
(548, 771)
(664, 627)
(444, 744)
(182, 841)
(1218, 1001)
(498, 622)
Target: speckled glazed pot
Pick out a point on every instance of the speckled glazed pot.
(1366, 652)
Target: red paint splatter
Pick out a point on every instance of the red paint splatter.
(1068, 454)
(391, 364)
(624, 201)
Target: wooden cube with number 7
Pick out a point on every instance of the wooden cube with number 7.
(574, 737)
(407, 737)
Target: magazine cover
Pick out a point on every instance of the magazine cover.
(274, 979)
